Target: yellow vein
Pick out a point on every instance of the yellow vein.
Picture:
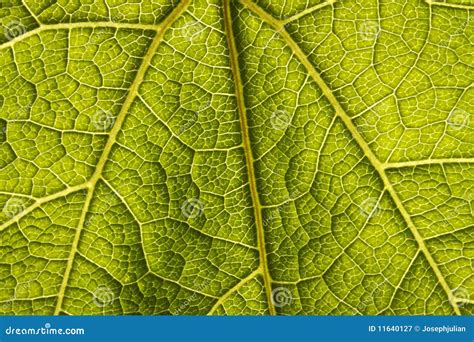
(307, 11)
(140, 227)
(451, 232)
(462, 301)
(69, 26)
(31, 12)
(226, 295)
(447, 4)
(112, 138)
(358, 138)
(40, 202)
(249, 159)
(428, 162)
(402, 278)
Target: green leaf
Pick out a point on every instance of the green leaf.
(237, 157)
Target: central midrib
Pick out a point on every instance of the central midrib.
(90, 185)
(249, 159)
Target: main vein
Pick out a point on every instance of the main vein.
(448, 4)
(78, 25)
(277, 25)
(91, 184)
(239, 91)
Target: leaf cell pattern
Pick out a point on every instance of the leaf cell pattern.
(247, 157)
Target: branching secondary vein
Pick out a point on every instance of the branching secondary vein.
(112, 138)
(358, 138)
(78, 25)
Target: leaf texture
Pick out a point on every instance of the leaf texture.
(237, 157)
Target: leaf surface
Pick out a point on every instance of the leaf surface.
(237, 157)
